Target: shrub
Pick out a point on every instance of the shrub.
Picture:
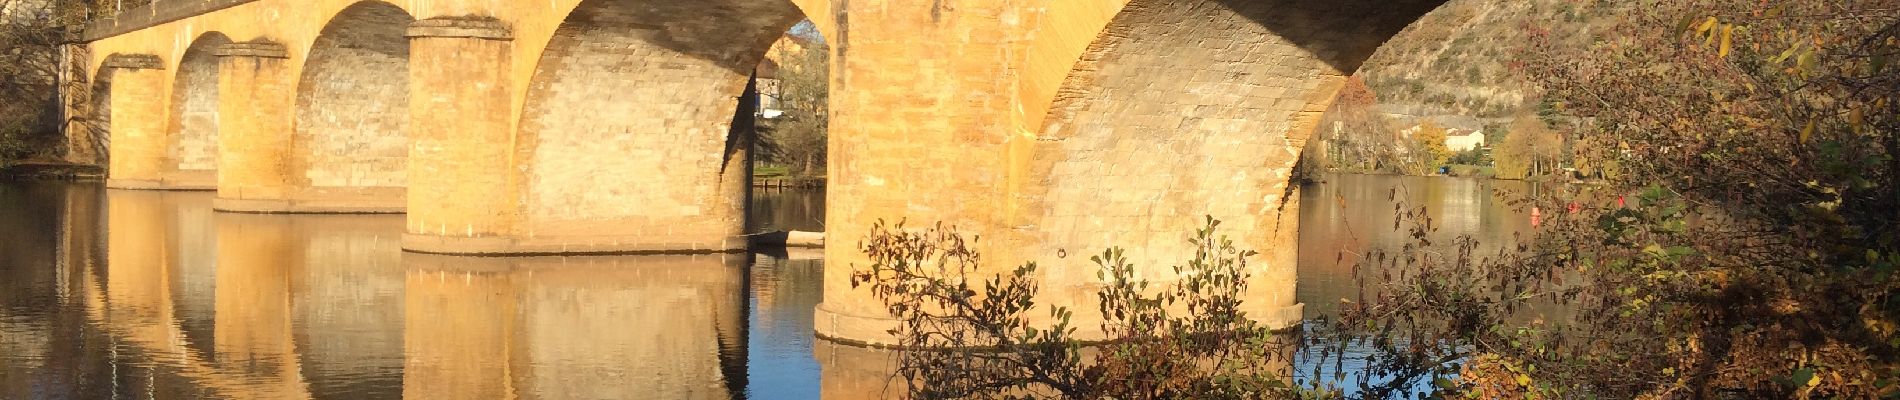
(970, 335)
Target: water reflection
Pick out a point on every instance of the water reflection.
(179, 302)
(152, 295)
(786, 210)
(1344, 217)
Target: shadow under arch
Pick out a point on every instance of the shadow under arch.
(191, 134)
(97, 120)
(633, 103)
(350, 137)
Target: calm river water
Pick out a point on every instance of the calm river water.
(128, 294)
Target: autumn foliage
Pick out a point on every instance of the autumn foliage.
(1754, 249)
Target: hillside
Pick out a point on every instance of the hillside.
(1456, 60)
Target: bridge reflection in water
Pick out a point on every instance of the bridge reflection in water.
(224, 305)
(152, 295)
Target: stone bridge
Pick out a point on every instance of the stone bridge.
(1050, 128)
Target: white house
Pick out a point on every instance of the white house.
(1463, 140)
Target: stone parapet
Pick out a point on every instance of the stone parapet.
(473, 28)
(154, 14)
(133, 61)
(253, 49)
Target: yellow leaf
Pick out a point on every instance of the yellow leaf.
(1807, 132)
(1706, 25)
(1814, 380)
(1785, 54)
(1858, 118)
(1728, 35)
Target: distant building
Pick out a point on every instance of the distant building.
(1463, 140)
(1461, 133)
(770, 90)
(782, 57)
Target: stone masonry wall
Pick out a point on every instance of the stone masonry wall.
(626, 126)
(351, 131)
(1192, 108)
(138, 125)
(194, 135)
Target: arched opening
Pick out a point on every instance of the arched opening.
(1188, 108)
(791, 154)
(629, 130)
(350, 142)
(191, 141)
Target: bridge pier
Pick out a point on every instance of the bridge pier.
(462, 195)
(919, 130)
(254, 103)
(139, 126)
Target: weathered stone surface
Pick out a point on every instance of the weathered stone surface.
(474, 28)
(254, 106)
(133, 61)
(350, 142)
(254, 49)
(138, 129)
(461, 194)
(192, 138)
(626, 136)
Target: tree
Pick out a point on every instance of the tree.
(1357, 138)
(799, 139)
(1530, 148)
(1431, 139)
(31, 33)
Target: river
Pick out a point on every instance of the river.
(109, 294)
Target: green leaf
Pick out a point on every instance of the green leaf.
(1682, 27)
(1803, 377)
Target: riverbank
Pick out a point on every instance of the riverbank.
(40, 170)
(788, 183)
(1463, 171)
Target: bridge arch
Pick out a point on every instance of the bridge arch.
(191, 140)
(1127, 121)
(1234, 86)
(349, 140)
(627, 130)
